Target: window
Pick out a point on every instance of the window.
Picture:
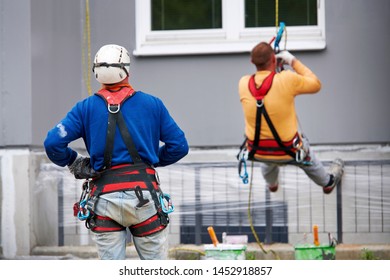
(171, 27)
(262, 13)
(179, 14)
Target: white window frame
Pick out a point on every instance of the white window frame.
(233, 37)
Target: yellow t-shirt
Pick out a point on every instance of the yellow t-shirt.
(279, 101)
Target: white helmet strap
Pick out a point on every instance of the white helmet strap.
(105, 64)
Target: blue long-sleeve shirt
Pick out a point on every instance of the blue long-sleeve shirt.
(148, 122)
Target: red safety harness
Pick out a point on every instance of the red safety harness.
(137, 177)
(274, 147)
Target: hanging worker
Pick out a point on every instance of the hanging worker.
(273, 136)
(127, 134)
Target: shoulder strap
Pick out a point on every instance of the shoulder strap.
(116, 97)
(114, 100)
(260, 92)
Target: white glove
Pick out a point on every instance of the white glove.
(286, 57)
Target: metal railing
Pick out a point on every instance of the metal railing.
(212, 194)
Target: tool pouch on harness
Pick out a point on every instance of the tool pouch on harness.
(137, 177)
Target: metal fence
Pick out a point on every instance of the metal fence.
(212, 194)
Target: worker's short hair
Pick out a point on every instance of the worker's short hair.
(261, 55)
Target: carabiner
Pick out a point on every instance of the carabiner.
(282, 26)
(244, 176)
(166, 206)
(83, 213)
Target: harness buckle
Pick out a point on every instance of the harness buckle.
(296, 142)
(156, 177)
(300, 155)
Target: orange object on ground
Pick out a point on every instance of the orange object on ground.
(213, 237)
(315, 234)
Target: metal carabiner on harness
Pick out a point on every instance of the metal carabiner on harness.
(242, 162)
(166, 203)
(83, 212)
(244, 176)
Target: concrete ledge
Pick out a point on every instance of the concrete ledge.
(194, 252)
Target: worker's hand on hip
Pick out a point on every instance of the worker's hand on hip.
(286, 57)
(81, 168)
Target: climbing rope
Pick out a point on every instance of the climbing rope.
(276, 13)
(280, 30)
(251, 221)
(86, 50)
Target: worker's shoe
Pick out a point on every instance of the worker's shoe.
(336, 170)
(273, 188)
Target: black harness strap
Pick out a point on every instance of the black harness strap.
(103, 224)
(137, 159)
(128, 140)
(109, 140)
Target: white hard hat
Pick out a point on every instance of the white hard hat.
(111, 64)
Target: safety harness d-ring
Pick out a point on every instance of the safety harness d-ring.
(114, 108)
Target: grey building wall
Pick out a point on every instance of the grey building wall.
(41, 73)
(56, 28)
(15, 73)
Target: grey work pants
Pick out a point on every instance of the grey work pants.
(316, 171)
(122, 207)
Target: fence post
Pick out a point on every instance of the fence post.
(339, 213)
(61, 212)
(268, 217)
(198, 208)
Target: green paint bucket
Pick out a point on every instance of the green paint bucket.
(225, 252)
(313, 252)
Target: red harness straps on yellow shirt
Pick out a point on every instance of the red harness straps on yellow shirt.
(274, 147)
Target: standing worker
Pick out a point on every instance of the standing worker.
(122, 130)
(271, 125)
